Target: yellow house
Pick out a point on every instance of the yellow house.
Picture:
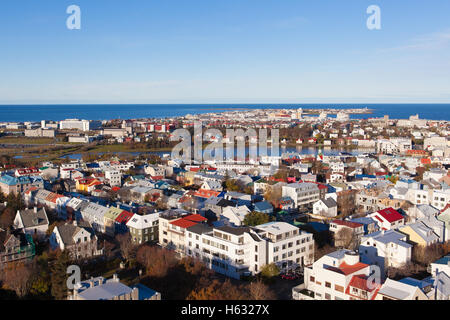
(420, 234)
(87, 184)
(189, 177)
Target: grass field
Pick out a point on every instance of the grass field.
(25, 141)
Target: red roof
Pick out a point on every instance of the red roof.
(390, 214)
(195, 218)
(206, 193)
(183, 223)
(360, 281)
(347, 223)
(124, 216)
(346, 269)
(446, 207)
(115, 189)
(52, 197)
(425, 161)
(349, 269)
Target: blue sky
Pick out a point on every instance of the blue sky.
(224, 51)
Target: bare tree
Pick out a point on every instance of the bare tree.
(17, 276)
(127, 248)
(346, 238)
(259, 291)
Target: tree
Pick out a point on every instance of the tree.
(218, 290)
(7, 218)
(126, 246)
(426, 255)
(59, 276)
(256, 218)
(346, 238)
(157, 261)
(270, 270)
(17, 276)
(273, 194)
(259, 291)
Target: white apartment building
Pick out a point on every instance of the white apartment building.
(114, 177)
(172, 225)
(394, 145)
(238, 251)
(303, 194)
(440, 199)
(81, 125)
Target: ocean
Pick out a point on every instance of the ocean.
(21, 113)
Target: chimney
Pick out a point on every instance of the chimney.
(35, 209)
(91, 282)
(115, 277)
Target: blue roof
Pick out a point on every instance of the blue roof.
(363, 220)
(318, 226)
(365, 176)
(7, 179)
(443, 260)
(263, 206)
(414, 282)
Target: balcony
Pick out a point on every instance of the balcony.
(301, 293)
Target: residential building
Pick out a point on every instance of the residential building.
(32, 221)
(388, 218)
(15, 246)
(396, 290)
(172, 226)
(325, 207)
(101, 289)
(144, 228)
(239, 251)
(303, 194)
(388, 248)
(78, 238)
(336, 276)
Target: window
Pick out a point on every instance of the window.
(327, 284)
(312, 279)
(327, 296)
(338, 288)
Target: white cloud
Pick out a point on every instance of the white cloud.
(430, 41)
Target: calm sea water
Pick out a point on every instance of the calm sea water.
(20, 113)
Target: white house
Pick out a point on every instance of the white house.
(388, 218)
(32, 221)
(386, 248)
(325, 207)
(234, 215)
(336, 276)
